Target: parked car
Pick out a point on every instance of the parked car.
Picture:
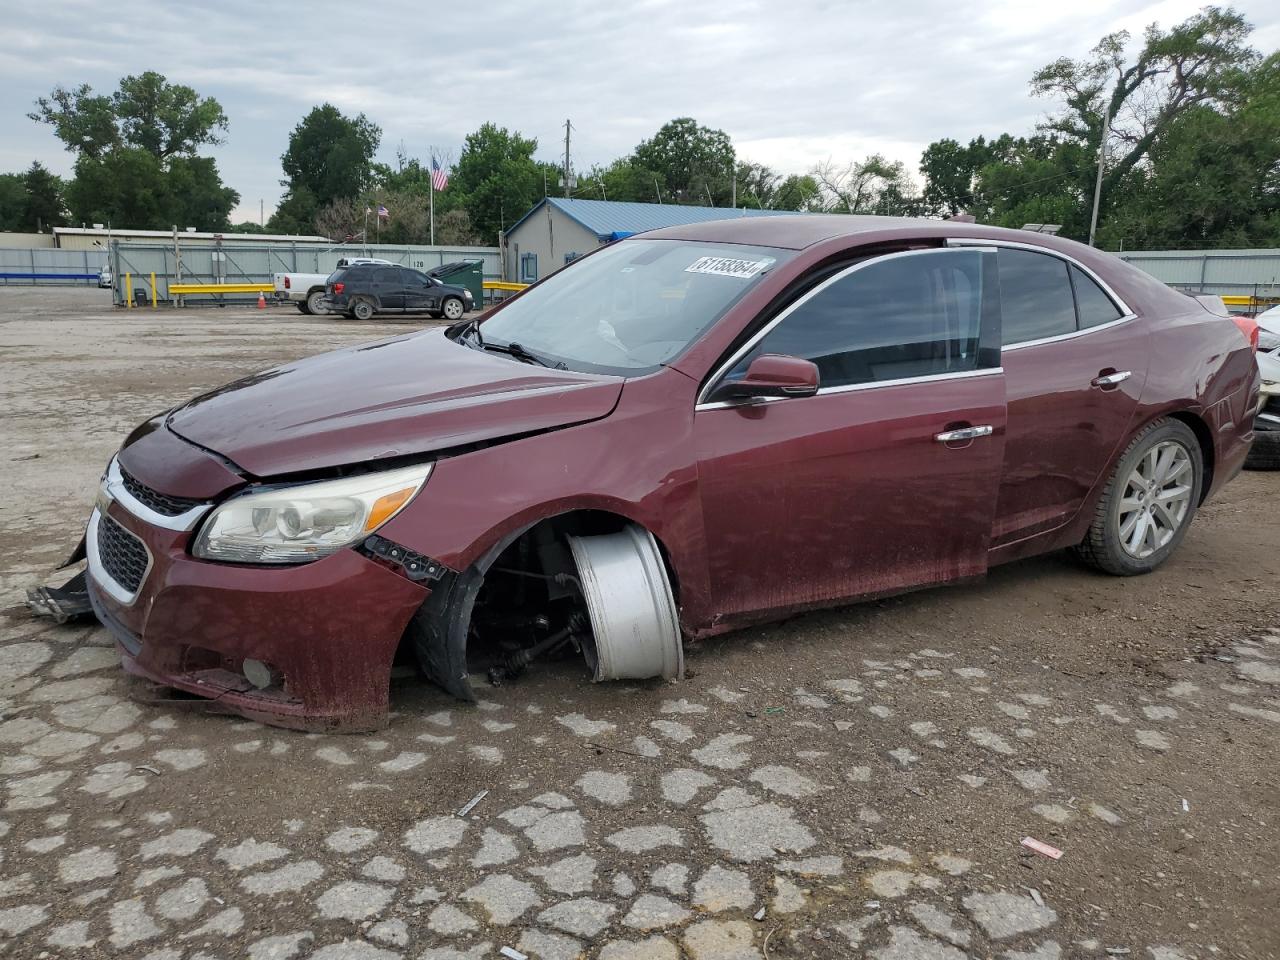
(679, 434)
(104, 277)
(1265, 453)
(307, 289)
(362, 290)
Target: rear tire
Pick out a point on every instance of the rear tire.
(302, 308)
(1148, 503)
(362, 310)
(1265, 452)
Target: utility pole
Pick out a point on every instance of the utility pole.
(1102, 159)
(733, 175)
(262, 217)
(656, 190)
(567, 127)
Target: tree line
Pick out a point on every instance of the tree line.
(1190, 117)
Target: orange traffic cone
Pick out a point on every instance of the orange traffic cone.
(262, 301)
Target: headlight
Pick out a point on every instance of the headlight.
(306, 522)
(1268, 341)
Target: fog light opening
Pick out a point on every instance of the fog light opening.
(260, 675)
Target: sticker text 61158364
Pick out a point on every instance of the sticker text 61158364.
(728, 267)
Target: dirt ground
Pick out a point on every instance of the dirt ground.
(863, 776)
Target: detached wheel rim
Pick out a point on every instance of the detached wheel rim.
(315, 303)
(453, 309)
(1156, 499)
(363, 311)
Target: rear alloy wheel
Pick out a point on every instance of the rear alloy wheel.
(453, 309)
(362, 310)
(315, 303)
(1148, 503)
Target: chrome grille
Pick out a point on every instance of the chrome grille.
(123, 556)
(155, 500)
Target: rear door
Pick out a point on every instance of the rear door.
(388, 287)
(857, 490)
(1075, 361)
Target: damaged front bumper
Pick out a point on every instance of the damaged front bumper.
(308, 647)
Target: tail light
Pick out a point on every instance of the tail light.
(339, 287)
(1249, 327)
(286, 282)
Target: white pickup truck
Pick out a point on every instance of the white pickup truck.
(307, 289)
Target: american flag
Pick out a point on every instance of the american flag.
(383, 213)
(439, 178)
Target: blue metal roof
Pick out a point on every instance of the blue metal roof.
(605, 218)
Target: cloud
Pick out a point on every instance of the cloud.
(793, 84)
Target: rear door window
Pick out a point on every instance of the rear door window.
(387, 276)
(1035, 296)
(894, 318)
(1093, 305)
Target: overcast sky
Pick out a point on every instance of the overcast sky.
(792, 83)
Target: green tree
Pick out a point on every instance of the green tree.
(1202, 60)
(329, 157)
(799, 192)
(86, 123)
(167, 119)
(125, 187)
(1213, 178)
(45, 207)
(195, 195)
(694, 163)
(871, 186)
(624, 179)
(498, 179)
(13, 201)
(130, 186)
(136, 154)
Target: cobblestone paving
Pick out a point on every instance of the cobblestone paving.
(654, 837)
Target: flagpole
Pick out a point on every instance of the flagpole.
(432, 198)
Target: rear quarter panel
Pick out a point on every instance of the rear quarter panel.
(1201, 365)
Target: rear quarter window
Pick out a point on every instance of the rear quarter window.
(1092, 303)
(1035, 296)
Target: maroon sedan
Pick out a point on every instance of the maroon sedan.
(681, 434)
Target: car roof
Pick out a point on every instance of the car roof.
(795, 232)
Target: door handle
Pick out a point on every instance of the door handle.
(1105, 380)
(965, 433)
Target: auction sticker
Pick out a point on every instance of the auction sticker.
(728, 267)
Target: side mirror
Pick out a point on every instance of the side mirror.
(771, 375)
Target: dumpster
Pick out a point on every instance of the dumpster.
(462, 273)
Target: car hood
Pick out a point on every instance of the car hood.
(415, 394)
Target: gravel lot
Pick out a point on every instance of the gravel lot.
(862, 776)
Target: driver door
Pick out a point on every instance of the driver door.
(857, 490)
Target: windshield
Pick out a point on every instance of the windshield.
(632, 306)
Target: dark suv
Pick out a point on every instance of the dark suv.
(363, 289)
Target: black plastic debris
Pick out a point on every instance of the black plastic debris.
(65, 603)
